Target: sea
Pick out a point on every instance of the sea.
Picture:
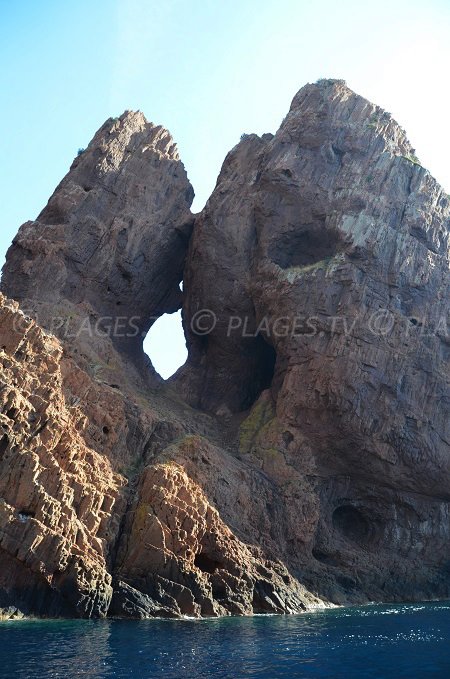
(379, 641)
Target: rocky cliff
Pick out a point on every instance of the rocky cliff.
(301, 456)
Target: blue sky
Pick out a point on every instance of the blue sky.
(209, 71)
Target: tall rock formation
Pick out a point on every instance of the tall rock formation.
(301, 456)
(112, 237)
(326, 246)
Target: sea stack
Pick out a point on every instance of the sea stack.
(301, 456)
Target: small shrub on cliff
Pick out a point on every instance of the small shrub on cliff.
(330, 81)
(80, 151)
(413, 159)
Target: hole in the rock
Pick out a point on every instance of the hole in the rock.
(12, 413)
(4, 442)
(351, 523)
(261, 370)
(165, 344)
(24, 515)
(204, 563)
(288, 437)
(305, 245)
(106, 430)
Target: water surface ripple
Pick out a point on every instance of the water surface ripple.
(379, 641)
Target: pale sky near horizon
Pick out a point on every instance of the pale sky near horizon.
(209, 71)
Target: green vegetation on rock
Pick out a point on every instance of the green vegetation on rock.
(413, 159)
(260, 415)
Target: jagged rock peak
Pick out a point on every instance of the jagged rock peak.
(331, 106)
(121, 136)
(114, 234)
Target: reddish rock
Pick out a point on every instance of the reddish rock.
(109, 246)
(60, 501)
(301, 456)
(323, 255)
(177, 550)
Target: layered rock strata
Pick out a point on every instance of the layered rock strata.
(301, 455)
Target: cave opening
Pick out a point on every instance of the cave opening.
(351, 523)
(25, 515)
(261, 370)
(205, 564)
(165, 344)
(12, 413)
(305, 246)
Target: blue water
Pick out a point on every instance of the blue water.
(373, 641)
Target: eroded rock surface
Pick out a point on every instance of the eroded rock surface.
(112, 239)
(60, 501)
(326, 247)
(301, 456)
(178, 551)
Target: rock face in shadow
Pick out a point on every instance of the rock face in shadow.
(301, 456)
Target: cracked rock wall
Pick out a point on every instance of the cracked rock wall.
(301, 455)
